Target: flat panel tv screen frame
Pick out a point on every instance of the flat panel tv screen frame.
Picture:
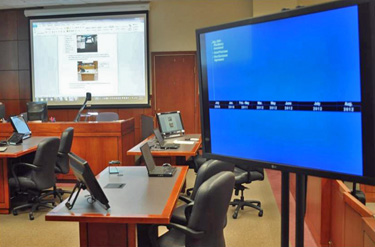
(105, 54)
(292, 91)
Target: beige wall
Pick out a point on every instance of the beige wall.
(265, 7)
(173, 23)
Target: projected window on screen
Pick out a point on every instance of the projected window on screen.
(103, 55)
(288, 91)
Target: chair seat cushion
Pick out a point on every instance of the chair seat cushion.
(25, 183)
(178, 215)
(241, 176)
(172, 238)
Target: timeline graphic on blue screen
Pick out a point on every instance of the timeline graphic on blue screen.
(289, 90)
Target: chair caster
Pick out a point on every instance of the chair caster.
(260, 214)
(31, 216)
(15, 212)
(235, 215)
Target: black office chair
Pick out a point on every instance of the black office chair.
(62, 162)
(206, 221)
(246, 174)
(195, 162)
(107, 116)
(207, 170)
(36, 177)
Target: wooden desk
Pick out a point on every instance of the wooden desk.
(185, 150)
(143, 200)
(96, 142)
(28, 146)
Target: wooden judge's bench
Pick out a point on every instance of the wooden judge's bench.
(96, 142)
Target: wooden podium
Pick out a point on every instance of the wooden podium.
(96, 142)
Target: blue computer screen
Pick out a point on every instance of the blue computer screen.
(288, 91)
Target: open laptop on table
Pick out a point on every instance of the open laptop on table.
(162, 143)
(152, 169)
(170, 124)
(20, 126)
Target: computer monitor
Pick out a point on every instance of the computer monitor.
(2, 111)
(84, 175)
(37, 110)
(170, 124)
(292, 91)
(20, 126)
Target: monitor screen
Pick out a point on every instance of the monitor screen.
(37, 111)
(19, 125)
(292, 91)
(105, 54)
(84, 174)
(170, 123)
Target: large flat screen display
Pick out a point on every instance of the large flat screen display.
(292, 91)
(103, 55)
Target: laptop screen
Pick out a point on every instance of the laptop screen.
(170, 123)
(159, 137)
(147, 156)
(19, 125)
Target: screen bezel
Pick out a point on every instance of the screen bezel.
(367, 87)
(177, 132)
(104, 14)
(84, 174)
(15, 126)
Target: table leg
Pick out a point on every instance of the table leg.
(4, 187)
(107, 235)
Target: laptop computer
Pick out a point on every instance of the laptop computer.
(170, 124)
(152, 169)
(20, 126)
(162, 143)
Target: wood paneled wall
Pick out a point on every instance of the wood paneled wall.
(15, 89)
(14, 61)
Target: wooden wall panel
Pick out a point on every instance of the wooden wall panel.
(9, 55)
(22, 26)
(24, 84)
(23, 55)
(8, 20)
(9, 87)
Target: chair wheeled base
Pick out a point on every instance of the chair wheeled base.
(241, 203)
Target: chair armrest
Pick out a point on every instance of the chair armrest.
(185, 199)
(187, 231)
(15, 166)
(188, 210)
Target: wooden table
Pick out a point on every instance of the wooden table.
(143, 200)
(28, 146)
(96, 142)
(185, 150)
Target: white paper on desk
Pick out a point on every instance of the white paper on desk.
(183, 142)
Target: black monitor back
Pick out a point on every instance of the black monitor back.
(2, 111)
(37, 111)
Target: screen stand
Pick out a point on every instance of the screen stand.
(300, 208)
(79, 186)
(284, 209)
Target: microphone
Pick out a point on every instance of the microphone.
(88, 98)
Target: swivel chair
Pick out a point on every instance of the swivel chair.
(36, 177)
(246, 174)
(206, 221)
(107, 116)
(207, 170)
(62, 162)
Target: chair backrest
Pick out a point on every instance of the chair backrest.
(207, 170)
(250, 168)
(66, 140)
(107, 116)
(210, 209)
(45, 159)
(147, 126)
